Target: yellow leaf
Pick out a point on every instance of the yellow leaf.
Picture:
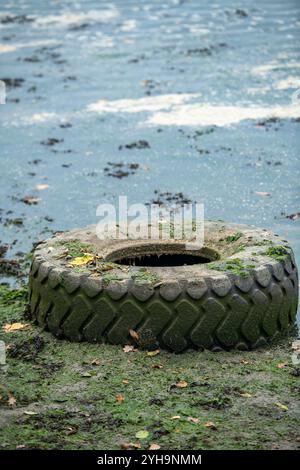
(81, 260)
(246, 395)
(8, 327)
(281, 406)
(175, 417)
(153, 353)
(30, 413)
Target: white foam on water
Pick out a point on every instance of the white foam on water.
(129, 25)
(289, 82)
(73, 19)
(4, 48)
(149, 103)
(209, 115)
(40, 117)
(171, 110)
(265, 69)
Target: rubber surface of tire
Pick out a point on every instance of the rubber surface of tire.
(185, 307)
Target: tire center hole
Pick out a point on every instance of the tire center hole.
(162, 260)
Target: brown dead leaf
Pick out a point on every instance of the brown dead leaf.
(181, 384)
(281, 365)
(193, 420)
(129, 348)
(157, 366)
(154, 447)
(8, 327)
(95, 362)
(120, 398)
(12, 402)
(130, 445)
(134, 335)
(211, 425)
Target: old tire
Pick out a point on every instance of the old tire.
(244, 299)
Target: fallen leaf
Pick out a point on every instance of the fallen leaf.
(181, 384)
(281, 406)
(8, 327)
(31, 200)
(70, 430)
(281, 365)
(95, 362)
(125, 382)
(175, 417)
(30, 413)
(246, 395)
(193, 420)
(86, 374)
(129, 348)
(81, 260)
(41, 187)
(120, 398)
(142, 434)
(130, 446)
(211, 425)
(21, 446)
(12, 401)
(154, 447)
(243, 361)
(134, 335)
(153, 353)
(157, 366)
(262, 193)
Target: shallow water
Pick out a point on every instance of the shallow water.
(196, 80)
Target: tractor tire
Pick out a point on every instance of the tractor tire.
(244, 296)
